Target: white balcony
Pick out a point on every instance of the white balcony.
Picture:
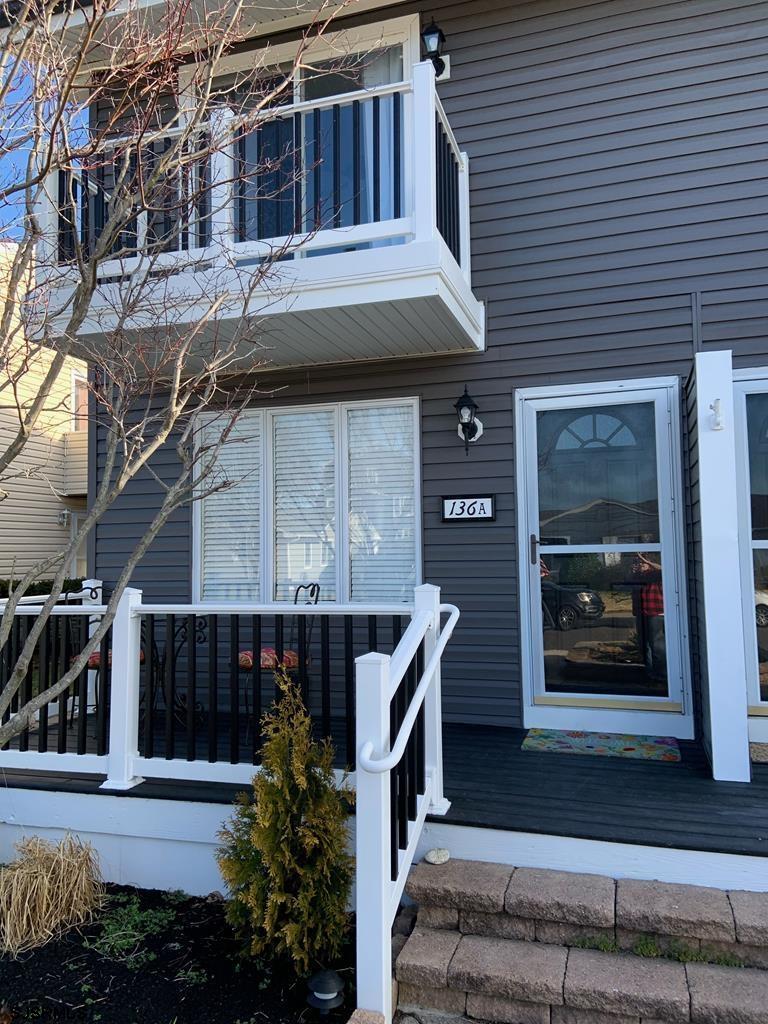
(378, 236)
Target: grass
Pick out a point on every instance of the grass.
(125, 928)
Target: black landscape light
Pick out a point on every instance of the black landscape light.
(325, 991)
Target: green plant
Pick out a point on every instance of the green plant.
(71, 586)
(686, 954)
(125, 928)
(601, 942)
(284, 857)
(722, 959)
(192, 974)
(648, 947)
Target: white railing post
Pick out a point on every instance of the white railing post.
(372, 840)
(464, 220)
(92, 594)
(124, 694)
(222, 188)
(427, 599)
(424, 153)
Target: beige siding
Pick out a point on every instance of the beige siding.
(34, 484)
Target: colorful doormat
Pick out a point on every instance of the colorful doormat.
(604, 744)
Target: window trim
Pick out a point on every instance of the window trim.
(76, 377)
(266, 495)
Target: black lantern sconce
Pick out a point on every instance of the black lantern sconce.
(433, 39)
(326, 991)
(470, 427)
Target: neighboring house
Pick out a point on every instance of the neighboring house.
(579, 238)
(48, 483)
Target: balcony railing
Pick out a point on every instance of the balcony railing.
(349, 172)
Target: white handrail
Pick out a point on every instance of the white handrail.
(386, 764)
(406, 649)
(282, 608)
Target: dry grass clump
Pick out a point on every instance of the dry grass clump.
(50, 887)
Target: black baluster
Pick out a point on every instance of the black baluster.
(356, 173)
(63, 697)
(44, 677)
(104, 693)
(26, 689)
(410, 753)
(372, 633)
(349, 691)
(376, 159)
(149, 700)
(393, 778)
(170, 686)
(82, 689)
(257, 698)
(325, 673)
(213, 689)
(302, 653)
(336, 166)
(421, 783)
(234, 689)
(316, 177)
(402, 772)
(191, 686)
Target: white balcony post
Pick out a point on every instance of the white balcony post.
(222, 179)
(427, 599)
(424, 153)
(372, 840)
(726, 703)
(124, 694)
(47, 211)
(92, 594)
(464, 220)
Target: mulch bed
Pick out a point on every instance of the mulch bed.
(187, 967)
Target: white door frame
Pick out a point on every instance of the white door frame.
(601, 712)
(749, 382)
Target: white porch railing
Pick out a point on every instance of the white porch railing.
(176, 692)
(399, 781)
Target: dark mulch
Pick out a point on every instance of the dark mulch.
(188, 968)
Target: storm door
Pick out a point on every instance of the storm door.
(601, 552)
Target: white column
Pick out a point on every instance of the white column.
(222, 188)
(92, 594)
(427, 599)
(725, 686)
(424, 153)
(464, 220)
(124, 694)
(372, 840)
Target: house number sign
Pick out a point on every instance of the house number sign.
(469, 507)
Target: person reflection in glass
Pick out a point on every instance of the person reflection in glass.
(648, 608)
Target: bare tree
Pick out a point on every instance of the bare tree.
(126, 124)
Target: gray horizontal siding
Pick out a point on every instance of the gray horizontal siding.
(618, 153)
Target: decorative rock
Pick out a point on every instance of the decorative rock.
(425, 958)
(439, 917)
(623, 984)
(750, 911)
(466, 884)
(513, 970)
(721, 995)
(506, 1011)
(673, 909)
(366, 1017)
(561, 896)
(437, 857)
(500, 926)
(417, 998)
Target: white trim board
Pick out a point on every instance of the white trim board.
(618, 860)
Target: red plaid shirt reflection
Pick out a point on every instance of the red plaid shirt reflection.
(652, 600)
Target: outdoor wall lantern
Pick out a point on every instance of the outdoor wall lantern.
(433, 38)
(470, 427)
(325, 991)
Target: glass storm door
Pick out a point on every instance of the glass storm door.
(602, 560)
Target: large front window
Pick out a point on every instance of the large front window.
(313, 495)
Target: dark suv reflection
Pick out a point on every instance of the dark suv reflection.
(564, 607)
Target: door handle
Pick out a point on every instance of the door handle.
(534, 549)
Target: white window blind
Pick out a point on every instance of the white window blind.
(382, 522)
(305, 454)
(231, 517)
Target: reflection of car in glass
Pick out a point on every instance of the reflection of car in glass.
(565, 606)
(761, 608)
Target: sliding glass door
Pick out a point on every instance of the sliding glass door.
(601, 550)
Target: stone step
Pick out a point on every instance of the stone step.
(684, 922)
(446, 976)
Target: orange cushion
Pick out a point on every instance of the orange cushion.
(268, 659)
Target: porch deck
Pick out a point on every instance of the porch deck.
(492, 783)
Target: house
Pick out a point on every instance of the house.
(48, 489)
(575, 262)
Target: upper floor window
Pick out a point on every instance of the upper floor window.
(323, 495)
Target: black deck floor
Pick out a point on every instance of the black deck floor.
(492, 783)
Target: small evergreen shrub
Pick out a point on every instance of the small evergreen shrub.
(284, 857)
(71, 586)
